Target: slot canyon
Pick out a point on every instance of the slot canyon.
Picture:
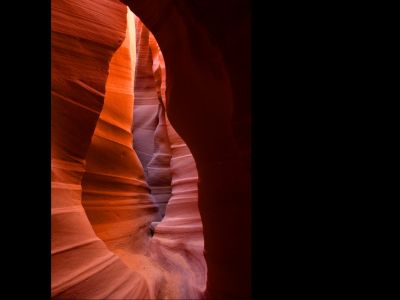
(150, 149)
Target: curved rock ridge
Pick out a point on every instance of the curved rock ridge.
(85, 35)
(103, 247)
(180, 233)
(178, 239)
(115, 193)
(101, 203)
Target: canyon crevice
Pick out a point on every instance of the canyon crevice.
(150, 151)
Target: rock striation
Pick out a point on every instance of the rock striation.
(85, 36)
(150, 136)
(150, 149)
(104, 197)
(178, 238)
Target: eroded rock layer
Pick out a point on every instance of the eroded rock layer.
(101, 203)
(115, 194)
(178, 239)
(85, 35)
(109, 253)
(150, 137)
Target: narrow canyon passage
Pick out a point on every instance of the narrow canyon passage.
(118, 200)
(138, 210)
(125, 196)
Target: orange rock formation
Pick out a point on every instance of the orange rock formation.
(102, 206)
(83, 267)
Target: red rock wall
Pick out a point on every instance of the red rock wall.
(101, 202)
(85, 35)
(115, 194)
(107, 252)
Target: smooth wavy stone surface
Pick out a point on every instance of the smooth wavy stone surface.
(178, 239)
(85, 35)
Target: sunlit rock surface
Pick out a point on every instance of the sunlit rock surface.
(85, 36)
